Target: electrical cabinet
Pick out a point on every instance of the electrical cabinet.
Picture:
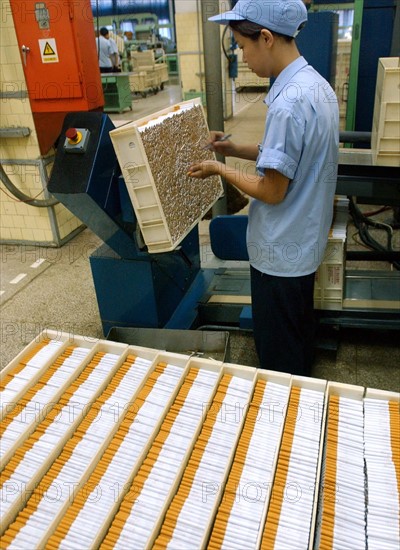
(59, 57)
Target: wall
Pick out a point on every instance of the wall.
(20, 157)
(189, 39)
(189, 45)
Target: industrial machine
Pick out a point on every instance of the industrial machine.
(141, 30)
(136, 288)
(133, 287)
(58, 50)
(176, 289)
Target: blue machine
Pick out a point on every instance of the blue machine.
(322, 26)
(133, 288)
(137, 289)
(378, 20)
(172, 290)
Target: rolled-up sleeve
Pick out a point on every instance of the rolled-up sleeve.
(283, 143)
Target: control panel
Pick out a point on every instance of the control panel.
(76, 140)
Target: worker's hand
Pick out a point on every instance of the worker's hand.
(202, 170)
(226, 148)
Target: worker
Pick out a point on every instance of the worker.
(105, 51)
(115, 58)
(292, 193)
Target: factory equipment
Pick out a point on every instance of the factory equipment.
(146, 29)
(145, 285)
(141, 30)
(117, 92)
(59, 62)
(133, 287)
(149, 71)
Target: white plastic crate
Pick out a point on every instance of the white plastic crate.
(319, 413)
(385, 137)
(329, 486)
(387, 83)
(161, 70)
(16, 365)
(233, 413)
(342, 78)
(329, 283)
(143, 59)
(329, 279)
(154, 154)
(248, 79)
(137, 82)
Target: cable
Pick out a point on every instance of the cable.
(361, 222)
(31, 201)
(98, 32)
(375, 212)
(357, 241)
(223, 43)
(231, 57)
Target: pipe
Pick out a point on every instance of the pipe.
(199, 47)
(354, 137)
(226, 328)
(213, 69)
(213, 79)
(395, 47)
(45, 203)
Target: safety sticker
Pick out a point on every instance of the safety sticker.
(48, 50)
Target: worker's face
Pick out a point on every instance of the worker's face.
(256, 52)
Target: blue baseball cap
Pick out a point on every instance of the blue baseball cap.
(282, 16)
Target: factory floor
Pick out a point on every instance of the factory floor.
(47, 288)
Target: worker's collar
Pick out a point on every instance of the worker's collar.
(284, 78)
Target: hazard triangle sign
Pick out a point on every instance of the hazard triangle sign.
(48, 50)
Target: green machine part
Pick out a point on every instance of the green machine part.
(354, 63)
(117, 92)
(357, 6)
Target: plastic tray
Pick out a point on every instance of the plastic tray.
(154, 154)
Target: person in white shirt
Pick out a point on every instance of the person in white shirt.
(115, 59)
(105, 51)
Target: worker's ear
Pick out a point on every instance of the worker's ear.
(267, 37)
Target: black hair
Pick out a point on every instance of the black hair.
(104, 31)
(253, 30)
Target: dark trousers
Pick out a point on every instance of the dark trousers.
(283, 321)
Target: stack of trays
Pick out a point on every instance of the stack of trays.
(106, 445)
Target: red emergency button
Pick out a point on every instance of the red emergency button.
(73, 136)
(71, 133)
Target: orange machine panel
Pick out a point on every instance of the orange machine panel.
(59, 56)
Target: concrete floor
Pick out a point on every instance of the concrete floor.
(57, 292)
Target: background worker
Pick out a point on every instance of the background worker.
(105, 51)
(290, 213)
(115, 59)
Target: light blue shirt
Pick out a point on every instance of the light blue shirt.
(105, 47)
(301, 141)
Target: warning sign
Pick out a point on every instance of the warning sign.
(48, 50)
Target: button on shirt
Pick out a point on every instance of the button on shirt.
(301, 141)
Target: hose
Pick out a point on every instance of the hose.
(45, 203)
(223, 43)
(361, 223)
(348, 136)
